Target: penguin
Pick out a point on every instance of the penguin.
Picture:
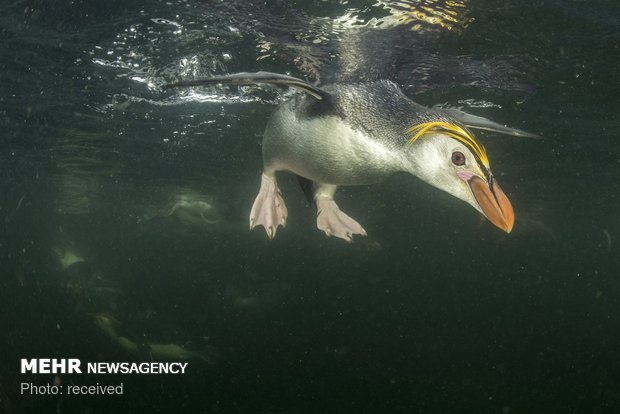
(361, 133)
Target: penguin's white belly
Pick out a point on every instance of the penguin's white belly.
(326, 150)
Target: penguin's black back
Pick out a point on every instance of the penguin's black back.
(379, 109)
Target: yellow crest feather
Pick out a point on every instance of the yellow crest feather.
(453, 131)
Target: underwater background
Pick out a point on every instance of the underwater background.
(124, 211)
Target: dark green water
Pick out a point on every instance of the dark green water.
(435, 312)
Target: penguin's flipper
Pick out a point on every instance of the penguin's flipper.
(478, 122)
(255, 78)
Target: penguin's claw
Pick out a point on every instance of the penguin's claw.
(334, 222)
(269, 209)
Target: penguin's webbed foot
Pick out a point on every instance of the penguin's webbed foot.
(334, 222)
(269, 209)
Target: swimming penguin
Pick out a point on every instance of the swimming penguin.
(353, 134)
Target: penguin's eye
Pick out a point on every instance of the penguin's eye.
(458, 158)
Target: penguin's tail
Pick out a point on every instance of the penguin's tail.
(255, 78)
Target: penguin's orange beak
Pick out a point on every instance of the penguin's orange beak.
(492, 201)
